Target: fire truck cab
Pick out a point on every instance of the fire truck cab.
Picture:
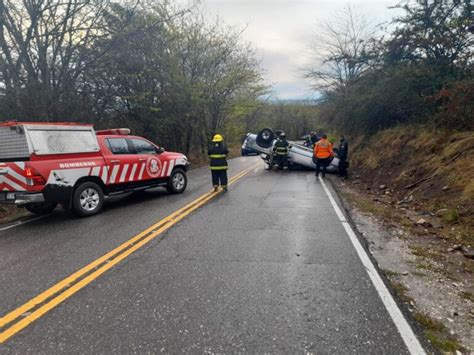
(46, 164)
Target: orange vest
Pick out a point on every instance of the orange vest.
(323, 149)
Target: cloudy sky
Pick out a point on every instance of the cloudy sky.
(280, 31)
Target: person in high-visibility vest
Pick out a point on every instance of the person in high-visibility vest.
(281, 150)
(217, 153)
(322, 154)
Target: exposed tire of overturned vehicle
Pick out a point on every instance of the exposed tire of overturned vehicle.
(265, 138)
(299, 156)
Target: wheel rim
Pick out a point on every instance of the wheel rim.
(89, 199)
(178, 181)
(266, 135)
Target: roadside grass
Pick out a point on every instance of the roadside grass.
(467, 266)
(442, 342)
(433, 175)
(367, 205)
(435, 332)
(401, 292)
(11, 213)
(426, 321)
(418, 250)
(419, 274)
(424, 266)
(390, 273)
(434, 168)
(424, 252)
(459, 227)
(234, 151)
(467, 296)
(452, 216)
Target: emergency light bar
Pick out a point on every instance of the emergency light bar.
(119, 131)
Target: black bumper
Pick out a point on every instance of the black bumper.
(20, 198)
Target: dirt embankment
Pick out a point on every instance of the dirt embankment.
(417, 169)
(418, 183)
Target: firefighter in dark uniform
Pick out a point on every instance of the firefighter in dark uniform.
(218, 165)
(281, 151)
(342, 155)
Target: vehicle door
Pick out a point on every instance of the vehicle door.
(122, 162)
(152, 165)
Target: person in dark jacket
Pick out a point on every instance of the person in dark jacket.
(281, 151)
(342, 152)
(314, 137)
(218, 164)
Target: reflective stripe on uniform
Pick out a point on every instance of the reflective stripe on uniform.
(216, 156)
(281, 150)
(218, 167)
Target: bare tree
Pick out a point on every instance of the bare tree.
(341, 51)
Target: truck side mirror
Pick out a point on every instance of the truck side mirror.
(160, 150)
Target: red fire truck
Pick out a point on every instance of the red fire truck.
(46, 164)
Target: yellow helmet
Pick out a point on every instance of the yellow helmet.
(217, 138)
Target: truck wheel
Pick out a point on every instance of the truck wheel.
(41, 208)
(88, 199)
(177, 181)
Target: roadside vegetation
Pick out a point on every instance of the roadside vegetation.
(431, 173)
(405, 99)
(419, 72)
(163, 71)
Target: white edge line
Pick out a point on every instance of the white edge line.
(17, 224)
(407, 334)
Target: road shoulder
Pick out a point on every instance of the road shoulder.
(438, 300)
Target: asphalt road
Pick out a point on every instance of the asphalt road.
(266, 267)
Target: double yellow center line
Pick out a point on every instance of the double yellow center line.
(21, 317)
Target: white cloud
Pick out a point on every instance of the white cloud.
(280, 31)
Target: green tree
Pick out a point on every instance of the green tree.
(42, 56)
(172, 76)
